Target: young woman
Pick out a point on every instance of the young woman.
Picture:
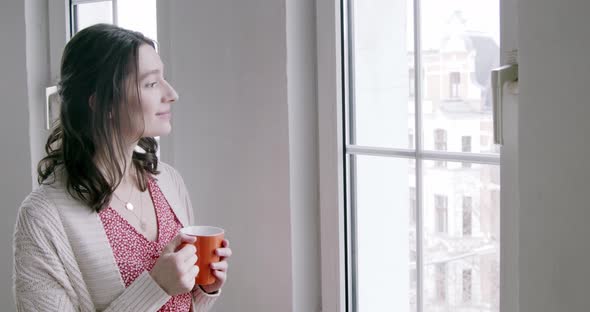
(102, 230)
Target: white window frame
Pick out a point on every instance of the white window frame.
(331, 161)
(329, 35)
(75, 2)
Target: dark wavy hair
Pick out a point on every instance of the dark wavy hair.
(99, 73)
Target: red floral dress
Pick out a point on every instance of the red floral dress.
(134, 253)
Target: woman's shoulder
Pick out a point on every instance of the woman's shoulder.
(167, 172)
(166, 168)
(37, 205)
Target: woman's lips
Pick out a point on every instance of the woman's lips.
(164, 114)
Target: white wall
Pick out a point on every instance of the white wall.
(303, 153)
(244, 138)
(554, 267)
(15, 180)
(36, 16)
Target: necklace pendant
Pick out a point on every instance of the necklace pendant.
(129, 206)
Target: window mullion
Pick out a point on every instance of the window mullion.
(477, 158)
(115, 12)
(76, 2)
(349, 160)
(418, 144)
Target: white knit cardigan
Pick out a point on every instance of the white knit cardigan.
(63, 260)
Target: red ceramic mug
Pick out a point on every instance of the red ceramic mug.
(209, 238)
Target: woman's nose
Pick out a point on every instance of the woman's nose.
(170, 96)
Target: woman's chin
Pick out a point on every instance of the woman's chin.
(162, 131)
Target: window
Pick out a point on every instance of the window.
(454, 83)
(124, 13)
(89, 13)
(466, 148)
(403, 143)
(440, 144)
(440, 206)
(484, 140)
(441, 281)
(440, 137)
(493, 220)
(467, 285)
(467, 215)
(466, 144)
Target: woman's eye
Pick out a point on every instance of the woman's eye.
(151, 85)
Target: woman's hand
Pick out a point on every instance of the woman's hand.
(219, 268)
(175, 270)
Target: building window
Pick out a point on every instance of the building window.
(467, 285)
(466, 144)
(484, 140)
(440, 206)
(454, 83)
(494, 214)
(441, 281)
(467, 215)
(466, 148)
(440, 144)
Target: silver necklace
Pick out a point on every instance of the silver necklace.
(129, 206)
(127, 203)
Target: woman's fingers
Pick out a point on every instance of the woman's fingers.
(220, 275)
(221, 266)
(177, 241)
(223, 252)
(190, 275)
(187, 252)
(192, 259)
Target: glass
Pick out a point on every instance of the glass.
(461, 237)
(88, 14)
(459, 49)
(383, 79)
(385, 232)
(138, 15)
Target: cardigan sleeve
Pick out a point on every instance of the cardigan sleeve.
(202, 301)
(40, 274)
(40, 281)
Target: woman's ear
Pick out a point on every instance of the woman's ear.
(92, 104)
(92, 101)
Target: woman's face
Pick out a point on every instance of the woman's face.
(155, 93)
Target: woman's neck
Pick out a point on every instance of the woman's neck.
(129, 174)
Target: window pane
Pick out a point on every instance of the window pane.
(467, 285)
(88, 14)
(461, 237)
(459, 48)
(383, 79)
(386, 235)
(138, 15)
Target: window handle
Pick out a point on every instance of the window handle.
(51, 106)
(501, 76)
